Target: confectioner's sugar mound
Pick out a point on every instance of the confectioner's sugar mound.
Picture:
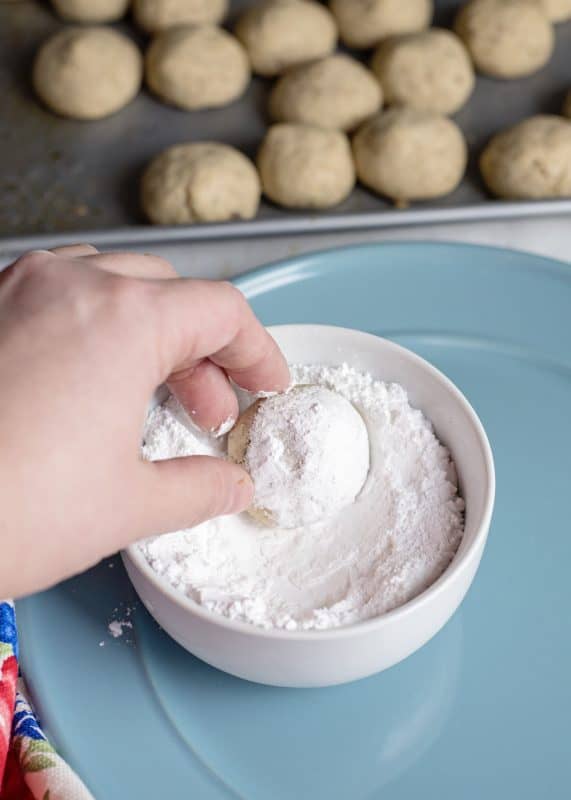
(376, 554)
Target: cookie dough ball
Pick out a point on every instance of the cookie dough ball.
(154, 16)
(363, 23)
(279, 34)
(430, 71)
(197, 67)
(307, 452)
(91, 10)
(302, 166)
(200, 182)
(336, 92)
(530, 160)
(506, 38)
(567, 105)
(408, 154)
(87, 73)
(556, 10)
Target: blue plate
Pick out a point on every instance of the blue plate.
(483, 710)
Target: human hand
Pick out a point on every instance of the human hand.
(85, 338)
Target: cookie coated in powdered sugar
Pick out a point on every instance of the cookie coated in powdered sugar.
(376, 554)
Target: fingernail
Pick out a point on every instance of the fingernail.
(223, 428)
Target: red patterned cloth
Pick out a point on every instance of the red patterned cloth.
(30, 768)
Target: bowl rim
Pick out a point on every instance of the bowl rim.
(459, 563)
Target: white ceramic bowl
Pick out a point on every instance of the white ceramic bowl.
(323, 658)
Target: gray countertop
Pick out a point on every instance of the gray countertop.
(227, 258)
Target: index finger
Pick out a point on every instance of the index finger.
(208, 319)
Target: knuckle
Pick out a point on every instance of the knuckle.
(124, 304)
(130, 310)
(232, 291)
(32, 263)
(127, 295)
(163, 267)
(34, 275)
(237, 300)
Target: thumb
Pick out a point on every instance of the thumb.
(182, 492)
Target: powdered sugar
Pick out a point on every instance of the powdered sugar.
(120, 622)
(373, 555)
(116, 626)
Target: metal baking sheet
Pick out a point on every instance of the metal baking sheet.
(63, 180)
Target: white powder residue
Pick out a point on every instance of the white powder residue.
(120, 620)
(116, 626)
(396, 539)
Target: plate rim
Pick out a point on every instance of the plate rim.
(243, 280)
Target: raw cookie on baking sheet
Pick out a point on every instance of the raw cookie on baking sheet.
(87, 72)
(506, 38)
(90, 10)
(197, 67)
(279, 34)
(530, 160)
(154, 16)
(363, 23)
(334, 92)
(407, 154)
(200, 182)
(303, 166)
(430, 70)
